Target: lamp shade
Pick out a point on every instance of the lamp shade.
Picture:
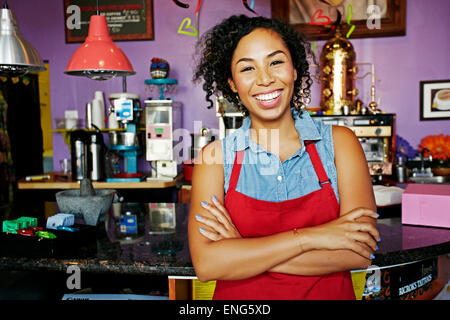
(17, 56)
(99, 58)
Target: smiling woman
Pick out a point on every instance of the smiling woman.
(286, 210)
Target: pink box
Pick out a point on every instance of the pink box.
(426, 205)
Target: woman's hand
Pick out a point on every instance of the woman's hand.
(221, 226)
(344, 233)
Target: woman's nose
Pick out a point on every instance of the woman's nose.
(264, 78)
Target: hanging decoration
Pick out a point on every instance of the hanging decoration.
(185, 26)
(349, 17)
(250, 8)
(199, 4)
(181, 4)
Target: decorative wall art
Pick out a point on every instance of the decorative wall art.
(315, 18)
(127, 19)
(435, 100)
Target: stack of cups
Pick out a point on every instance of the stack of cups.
(98, 110)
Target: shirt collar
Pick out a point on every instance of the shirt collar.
(304, 124)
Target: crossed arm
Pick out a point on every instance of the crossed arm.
(219, 252)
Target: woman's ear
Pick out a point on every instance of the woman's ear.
(232, 85)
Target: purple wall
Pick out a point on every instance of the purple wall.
(400, 62)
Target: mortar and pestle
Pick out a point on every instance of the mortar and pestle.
(86, 202)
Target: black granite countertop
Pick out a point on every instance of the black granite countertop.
(160, 245)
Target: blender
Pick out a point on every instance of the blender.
(126, 108)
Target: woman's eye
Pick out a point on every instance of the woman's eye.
(273, 63)
(246, 69)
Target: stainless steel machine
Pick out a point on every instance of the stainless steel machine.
(376, 133)
(230, 118)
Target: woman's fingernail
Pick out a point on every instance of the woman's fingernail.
(379, 238)
(372, 256)
(201, 230)
(377, 214)
(376, 248)
(198, 217)
(214, 198)
(204, 204)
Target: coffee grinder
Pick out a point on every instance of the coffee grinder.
(127, 109)
(163, 116)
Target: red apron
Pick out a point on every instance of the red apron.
(258, 218)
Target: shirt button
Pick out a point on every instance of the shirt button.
(279, 178)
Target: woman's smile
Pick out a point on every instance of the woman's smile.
(270, 99)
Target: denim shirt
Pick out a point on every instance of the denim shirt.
(264, 177)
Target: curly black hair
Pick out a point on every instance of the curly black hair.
(216, 48)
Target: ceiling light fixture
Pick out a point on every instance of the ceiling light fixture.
(99, 58)
(17, 56)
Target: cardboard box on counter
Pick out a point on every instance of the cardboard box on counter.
(426, 205)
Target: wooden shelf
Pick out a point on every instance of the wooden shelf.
(93, 130)
(56, 182)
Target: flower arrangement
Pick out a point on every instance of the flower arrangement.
(439, 148)
(403, 149)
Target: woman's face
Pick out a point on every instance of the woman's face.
(263, 74)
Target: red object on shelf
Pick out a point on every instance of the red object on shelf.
(99, 52)
(188, 167)
(127, 175)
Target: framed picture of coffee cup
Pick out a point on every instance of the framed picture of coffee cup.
(435, 100)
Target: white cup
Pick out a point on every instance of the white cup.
(442, 99)
(65, 165)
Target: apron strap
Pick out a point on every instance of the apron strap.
(236, 169)
(316, 162)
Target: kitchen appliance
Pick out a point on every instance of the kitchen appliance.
(163, 117)
(375, 132)
(230, 118)
(88, 155)
(337, 75)
(127, 110)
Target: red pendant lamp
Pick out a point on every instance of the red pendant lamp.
(99, 58)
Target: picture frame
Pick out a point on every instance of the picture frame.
(392, 15)
(128, 20)
(435, 100)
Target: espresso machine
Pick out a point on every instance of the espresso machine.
(376, 133)
(230, 118)
(162, 116)
(339, 104)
